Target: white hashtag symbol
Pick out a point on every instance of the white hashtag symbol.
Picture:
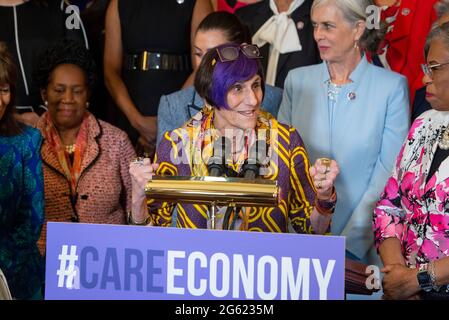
(67, 271)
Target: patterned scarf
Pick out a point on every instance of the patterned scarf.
(202, 136)
(71, 170)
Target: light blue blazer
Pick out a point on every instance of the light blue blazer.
(178, 107)
(363, 132)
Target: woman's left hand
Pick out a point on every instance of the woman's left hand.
(323, 173)
(399, 282)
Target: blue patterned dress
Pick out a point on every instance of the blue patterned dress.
(21, 212)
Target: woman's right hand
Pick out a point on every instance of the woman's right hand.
(141, 171)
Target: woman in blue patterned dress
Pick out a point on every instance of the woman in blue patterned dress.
(21, 193)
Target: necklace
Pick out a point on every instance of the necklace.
(444, 139)
(333, 90)
(70, 149)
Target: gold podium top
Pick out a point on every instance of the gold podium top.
(219, 191)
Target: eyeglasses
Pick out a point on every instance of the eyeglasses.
(232, 53)
(428, 69)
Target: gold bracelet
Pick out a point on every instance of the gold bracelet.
(131, 221)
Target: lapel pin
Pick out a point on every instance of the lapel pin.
(351, 96)
(405, 11)
(300, 25)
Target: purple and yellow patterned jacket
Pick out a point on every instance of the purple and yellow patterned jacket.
(184, 152)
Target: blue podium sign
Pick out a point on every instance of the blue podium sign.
(109, 262)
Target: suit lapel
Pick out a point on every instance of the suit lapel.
(404, 21)
(261, 16)
(399, 38)
(300, 14)
(92, 148)
(427, 163)
(50, 158)
(442, 173)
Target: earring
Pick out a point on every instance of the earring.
(46, 103)
(87, 105)
(356, 44)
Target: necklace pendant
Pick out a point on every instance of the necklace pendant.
(70, 149)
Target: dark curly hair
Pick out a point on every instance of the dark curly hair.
(65, 51)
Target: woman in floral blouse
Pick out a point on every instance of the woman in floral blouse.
(21, 193)
(411, 220)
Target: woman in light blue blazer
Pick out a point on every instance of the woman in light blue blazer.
(352, 111)
(216, 29)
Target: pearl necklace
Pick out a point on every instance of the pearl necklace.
(444, 139)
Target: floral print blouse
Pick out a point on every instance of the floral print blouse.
(412, 209)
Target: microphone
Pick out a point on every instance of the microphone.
(257, 156)
(216, 164)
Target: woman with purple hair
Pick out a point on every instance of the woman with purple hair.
(230, 79)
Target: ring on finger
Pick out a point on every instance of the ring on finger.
(327, 163)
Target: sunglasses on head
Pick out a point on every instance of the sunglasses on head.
(226, 54)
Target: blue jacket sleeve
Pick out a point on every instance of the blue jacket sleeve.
(285, 110)
(272, 99)
(358, 230)
(163, 118)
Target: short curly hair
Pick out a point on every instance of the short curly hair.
(65, 51)
(214, 78)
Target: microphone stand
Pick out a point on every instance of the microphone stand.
(212, 215)
(216, 167)
(250, 171)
